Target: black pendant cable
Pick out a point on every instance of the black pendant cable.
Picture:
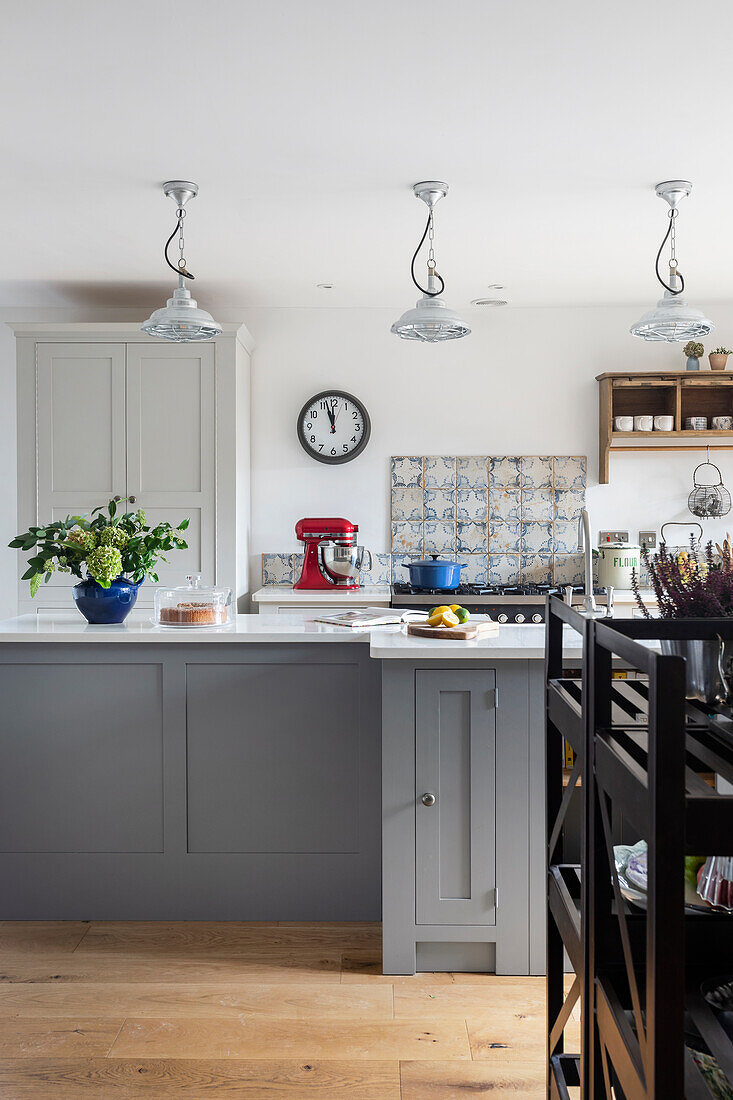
(181, 268)
(672, 256)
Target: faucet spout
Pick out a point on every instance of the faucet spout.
(589, 601)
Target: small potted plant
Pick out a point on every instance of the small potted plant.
(694, 352)
(719, 358)
(111, 554)
(687, 587)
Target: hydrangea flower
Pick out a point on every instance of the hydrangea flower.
(113, 536)
(86, 539)
(104, 564)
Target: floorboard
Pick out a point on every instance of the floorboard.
(263, 1011)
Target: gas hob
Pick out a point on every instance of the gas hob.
(518, 603)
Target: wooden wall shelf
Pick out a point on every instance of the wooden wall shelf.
(672, 393)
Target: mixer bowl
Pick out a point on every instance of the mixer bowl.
(343, 564)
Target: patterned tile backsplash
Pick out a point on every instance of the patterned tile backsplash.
(507, 518)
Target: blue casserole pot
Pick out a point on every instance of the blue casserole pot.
(434, 573)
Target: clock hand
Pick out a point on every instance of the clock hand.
(329, 410)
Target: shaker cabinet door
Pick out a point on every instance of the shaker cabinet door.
(171, 447)
(455, 803)
(80, 430)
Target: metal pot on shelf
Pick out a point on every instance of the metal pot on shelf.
(706, 664)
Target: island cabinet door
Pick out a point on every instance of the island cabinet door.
(455, 774)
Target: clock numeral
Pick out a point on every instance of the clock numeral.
(313, 439)
(355, 415)
(313, 414)
(345, 447)
(320, 446)
(357, 427)
(333, 450)
(309, 426)
(353, 439)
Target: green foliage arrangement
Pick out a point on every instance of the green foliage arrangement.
(721, 351)
(108, 545)
(693, 350)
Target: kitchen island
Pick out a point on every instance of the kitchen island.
(258, 771)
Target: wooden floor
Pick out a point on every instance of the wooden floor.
(156, 1010)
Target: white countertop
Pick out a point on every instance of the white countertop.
(285, 593)
(526, 642)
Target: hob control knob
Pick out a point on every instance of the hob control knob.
(536, 618)
(502, 618)
(519, 617)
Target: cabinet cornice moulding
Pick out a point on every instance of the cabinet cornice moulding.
(129, 331)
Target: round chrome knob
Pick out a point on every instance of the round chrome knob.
(519, 617)
(131, 500)
(536, 618)
(428, 799)
(502, 618)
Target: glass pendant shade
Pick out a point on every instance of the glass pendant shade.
(430, 321)
(673, 320)
(181, 320)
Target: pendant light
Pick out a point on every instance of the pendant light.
(672, 319)
(181, 319)
(430, 320)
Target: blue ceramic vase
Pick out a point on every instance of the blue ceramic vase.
(105, 605)
(693, 363)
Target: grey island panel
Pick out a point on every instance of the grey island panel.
(81, 758)
(273, 757)
(189, 782)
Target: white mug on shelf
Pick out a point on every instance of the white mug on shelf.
(623, 424)
(663, 423)
(644, 423)
(723, 423)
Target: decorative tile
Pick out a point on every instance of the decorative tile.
(569, 471)
(399, 561)
(277, 568)
(381, 570)
(566, 536)
(537, 505)
(505, 538)
(504, 568)
(476, 571)
(504, 504)
(406, 537)
(471, 538)
(440, 472)
(536, 472)
(407, 503)
(569, 503)
(440, 504)
(536, 538)
(440, 538)
(471, 506)
(472, 473)
(568, 569)
(536, 569)
(504, 471)
(296, 561)
(407, 471)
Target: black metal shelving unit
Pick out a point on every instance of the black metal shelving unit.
(646, 756)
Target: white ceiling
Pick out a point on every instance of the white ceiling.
(305, 122)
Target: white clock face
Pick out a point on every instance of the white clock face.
(333, 427)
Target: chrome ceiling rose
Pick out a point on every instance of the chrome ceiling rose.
(180, 319)
(672, 319)
(431, 321)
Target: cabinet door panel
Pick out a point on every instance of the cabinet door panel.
(80, 415)
(455, 760)
(171, 446)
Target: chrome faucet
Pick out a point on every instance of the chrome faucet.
(589, 601)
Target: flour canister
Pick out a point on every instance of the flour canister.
(616, 562)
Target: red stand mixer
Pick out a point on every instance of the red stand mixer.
(332, 557)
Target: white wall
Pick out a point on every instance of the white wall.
(522, 383)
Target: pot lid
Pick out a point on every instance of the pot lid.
(434, 561)
(618, 546)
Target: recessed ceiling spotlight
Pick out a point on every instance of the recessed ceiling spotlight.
(324, 286)
(488, 302)
(496, 286)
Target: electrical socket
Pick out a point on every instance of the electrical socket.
(648, 539)
(612, 536)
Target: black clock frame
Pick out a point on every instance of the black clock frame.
(335, 460)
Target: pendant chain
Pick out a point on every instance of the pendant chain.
(431, 244)
(181, 214)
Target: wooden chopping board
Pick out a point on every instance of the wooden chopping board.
(457, 633)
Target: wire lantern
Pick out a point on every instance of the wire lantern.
(708, 501)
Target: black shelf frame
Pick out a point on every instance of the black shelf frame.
(644, 751)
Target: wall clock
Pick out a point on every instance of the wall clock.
(333, 427)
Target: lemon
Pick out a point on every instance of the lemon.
(449, 619)
(454, 607)
(462, 614)
(435, 620)
(439, 610)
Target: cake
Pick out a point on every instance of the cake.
(193, 614)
